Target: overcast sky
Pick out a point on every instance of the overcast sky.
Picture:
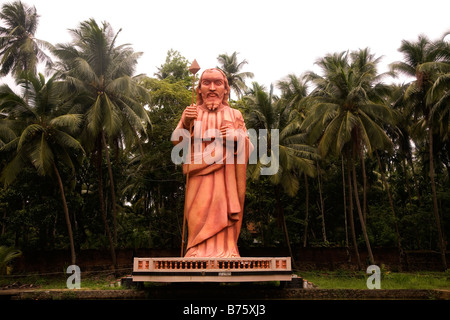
(275, 37)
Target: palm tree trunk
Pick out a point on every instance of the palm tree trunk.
(405, 174)
(350, 211)
(358, 206)
(435, 203)
(403, 258)
(363, 169)
(3, 224)
(66, 214)
(344, 196)
(113, 193)
(305, 232)
(322, 204)
(416, 183)
(103, 210)
(280, 213)
(27, 84)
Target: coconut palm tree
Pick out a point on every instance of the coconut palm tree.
(294, 90)
(426, 61)
(294, 156)
(402, 135)
(438, 96)
(45, 134)
(230, 65)
(100, 73)
(294, 93)
(19, 49)
(346, 114)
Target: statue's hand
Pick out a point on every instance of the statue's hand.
(189, 115)
(227, 133)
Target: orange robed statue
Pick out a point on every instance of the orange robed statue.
(217, 162)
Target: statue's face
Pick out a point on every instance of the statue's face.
(212, 88)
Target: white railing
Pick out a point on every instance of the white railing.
(210, 264)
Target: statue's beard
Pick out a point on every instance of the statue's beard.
(212, 104)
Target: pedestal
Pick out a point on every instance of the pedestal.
(212, 269)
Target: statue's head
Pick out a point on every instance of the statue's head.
(213, 88)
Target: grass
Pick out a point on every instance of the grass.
(89, 280)
(388, 280)
(342, 279)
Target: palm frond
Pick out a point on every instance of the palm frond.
(10, 146)
(378, 112)
(111, 117)
(12, 169)
(65, 140)
(329, 141)
(94, 117)
(373, 135)
(70, 122)
(41, 156)
(7, 254)
(85, 71)
(7, 134)
(31, 131)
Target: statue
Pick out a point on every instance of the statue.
(217, 163)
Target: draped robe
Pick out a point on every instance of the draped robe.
(216, 192)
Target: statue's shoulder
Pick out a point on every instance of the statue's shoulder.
(238, 118)
(237, 114)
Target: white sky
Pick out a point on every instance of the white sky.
(275, 37)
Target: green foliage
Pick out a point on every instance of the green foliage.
(175, 69)
(43, 132)
(19, 49)
(230, 65)
(7, 254)
(92, 93)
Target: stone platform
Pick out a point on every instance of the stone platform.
(212, 269)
